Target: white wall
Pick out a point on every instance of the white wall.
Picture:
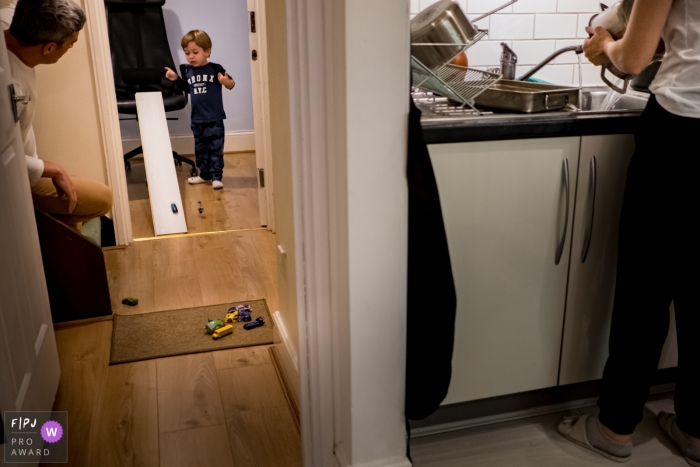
(282, 162)
(533, 29)
(68, 89)
(375, 138)
(226, 22)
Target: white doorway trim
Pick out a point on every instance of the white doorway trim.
(309, 69)
(349, 95)
(98, 43)
(261, 111)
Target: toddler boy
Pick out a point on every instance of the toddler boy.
(203, 81)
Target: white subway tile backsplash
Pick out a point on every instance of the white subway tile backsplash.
(578, 6)
(511, 26)
(535, 6)
(484, 6)
(569, 57)
(591, 75)
(555, 74)
(532, 52)
(559, 26)
(533, 28)
(481, 24)
(485, 53)
(583, 21)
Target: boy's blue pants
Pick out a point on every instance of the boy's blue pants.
(209, 149)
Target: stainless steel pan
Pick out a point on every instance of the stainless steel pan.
(442, 31)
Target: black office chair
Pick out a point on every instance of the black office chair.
(140, 53)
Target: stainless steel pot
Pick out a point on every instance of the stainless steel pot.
(614, 20)
(442, 31)
(643, 80)
(441, 23)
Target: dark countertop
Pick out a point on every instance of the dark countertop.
(520, 126)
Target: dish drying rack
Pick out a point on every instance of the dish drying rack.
(457, 83)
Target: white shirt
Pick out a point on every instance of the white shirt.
(677, 84)
(24, 81)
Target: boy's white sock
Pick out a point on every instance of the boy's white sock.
(217, 185)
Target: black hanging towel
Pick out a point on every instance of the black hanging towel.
(432, 300)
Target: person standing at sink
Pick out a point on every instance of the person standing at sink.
(658, 249)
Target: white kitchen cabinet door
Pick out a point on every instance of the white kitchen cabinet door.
(601, 185)
(506, 215)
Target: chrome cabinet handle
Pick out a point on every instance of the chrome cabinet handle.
(589, 231)
(15, 99)
(560, 248)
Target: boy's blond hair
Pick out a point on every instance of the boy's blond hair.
(197, 36)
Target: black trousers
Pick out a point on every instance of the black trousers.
(209, 149)
(657, 263)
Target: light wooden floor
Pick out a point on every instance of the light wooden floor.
(234, 207)
(187, 271)
(536, 443)
(224, 408)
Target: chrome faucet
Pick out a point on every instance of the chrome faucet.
(508, 61)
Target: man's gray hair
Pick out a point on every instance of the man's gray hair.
(44, 21)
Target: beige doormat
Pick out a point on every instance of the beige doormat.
(179, 332)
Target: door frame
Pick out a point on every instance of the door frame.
(261, 114)
(350, 226)
(98, 45)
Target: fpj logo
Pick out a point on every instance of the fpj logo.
(36, 437)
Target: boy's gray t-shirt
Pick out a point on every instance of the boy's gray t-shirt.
(205, 92)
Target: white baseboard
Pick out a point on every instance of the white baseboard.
(236, 141)
(287, 356)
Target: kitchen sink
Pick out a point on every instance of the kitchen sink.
(439, 109)
(594, 99)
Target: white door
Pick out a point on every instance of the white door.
(601, 187)
(29, 370)
(508, 223)
(257, 41)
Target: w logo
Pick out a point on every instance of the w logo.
(51, 431)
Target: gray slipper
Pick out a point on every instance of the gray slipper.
(585, 431)
(690, 450)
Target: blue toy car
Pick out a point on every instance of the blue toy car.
(259, 321)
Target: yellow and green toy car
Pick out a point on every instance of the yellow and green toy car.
(213, 325)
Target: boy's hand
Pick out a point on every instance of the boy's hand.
(170, 74)
(226, 81)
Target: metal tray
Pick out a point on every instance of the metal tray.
(523, 96)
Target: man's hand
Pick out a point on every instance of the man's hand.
(226, 81)
(170, 74)
(62, 182)
(594, 47)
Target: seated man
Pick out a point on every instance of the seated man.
(40, 33)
